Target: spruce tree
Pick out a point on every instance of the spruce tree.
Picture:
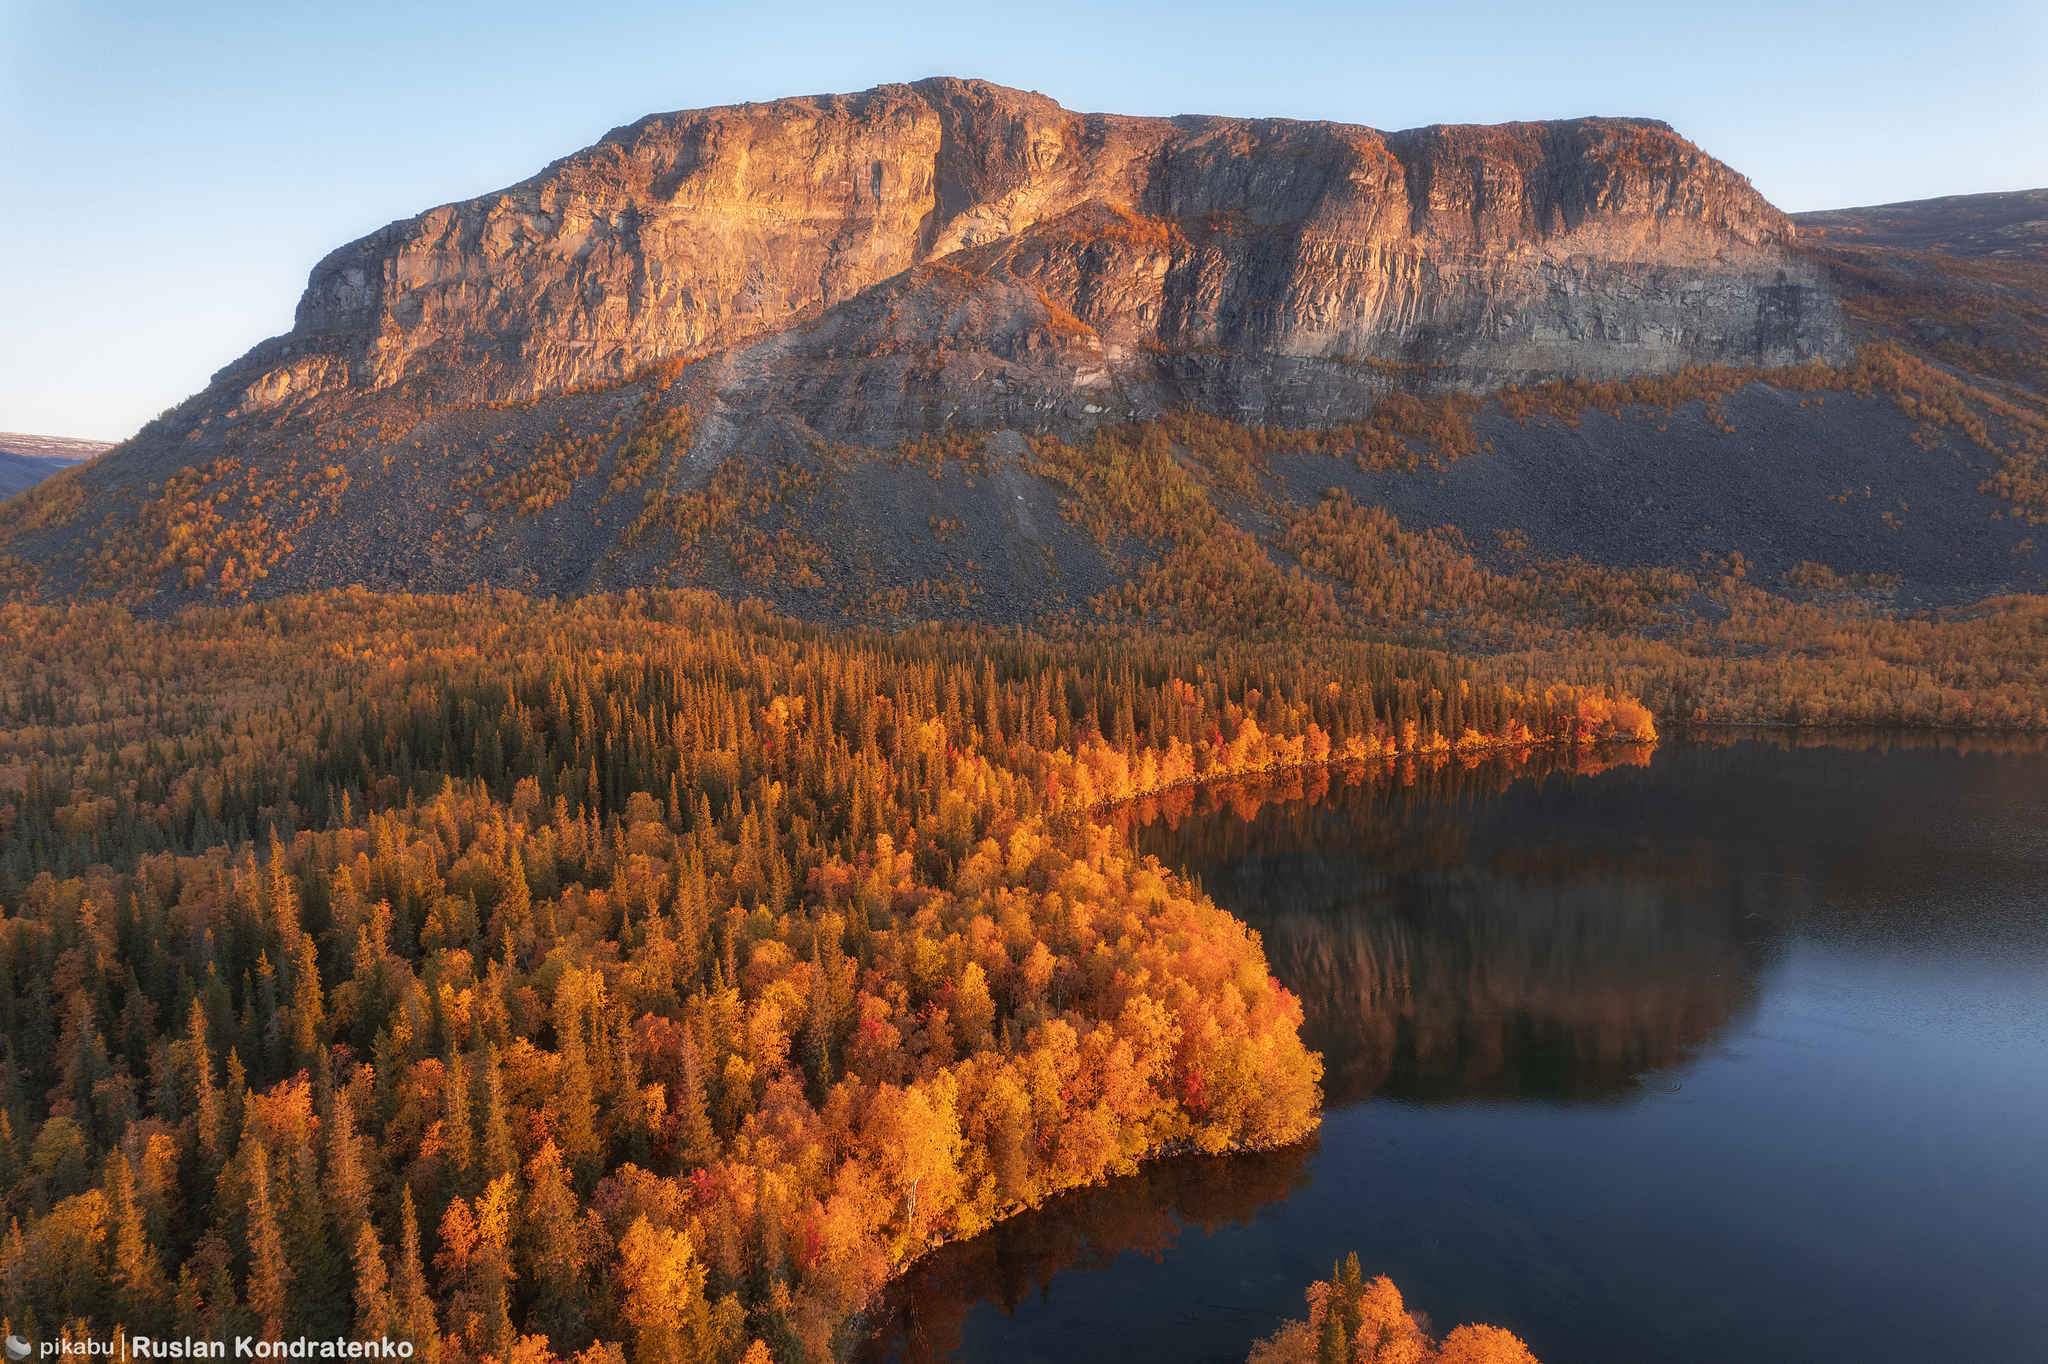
(458, 1142)
(141, 1292)
(1333, 1345)
(234, 1096)
(554, 1251)
(699, 1142)
(375, 1315)
(10, 1152)
(575, 1101)
(497, 1210)
(19, 1273)
(412, 1309)
(270, 1023)
(284, 902)
(515, 909)
(499, 1154)
(319, 1265)
(309, 1010)
(270, 1270)
(207, 1106)
(135, 1026)
(206, 1305)
(1349, 1295)
(348, 1184)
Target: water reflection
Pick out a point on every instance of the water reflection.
(1434, 967)
(925, 1313)
(1742, 1054)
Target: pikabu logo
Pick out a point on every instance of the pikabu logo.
(17, 1348)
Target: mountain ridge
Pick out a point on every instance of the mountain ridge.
(888, 446)
(1484, 255)
(26, 460)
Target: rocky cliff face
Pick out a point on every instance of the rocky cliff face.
(956, 250)
(790, 291)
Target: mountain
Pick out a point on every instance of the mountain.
(27, 460)
(2012, 226)
(840, 352)
(1199, 255)
(1964, 278)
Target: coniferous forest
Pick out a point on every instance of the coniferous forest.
(639, 978)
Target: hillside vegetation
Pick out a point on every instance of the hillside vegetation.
(1196, 526)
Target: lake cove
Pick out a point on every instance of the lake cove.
(1738, 1053)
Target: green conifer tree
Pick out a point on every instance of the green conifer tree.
(270, 1270)
(515, 909)
(309, 1009)
(207, 1106)
(458, 1140)
(412, 1309)
(554, 1253)
(319, 1301)
(699, 1142)
(1333, 1344)
(376, 1317)
(19, 1281)
(141, 1293)
(348, 1183)
(499, 1154)
(207, 1308)
(234, 1107)
(574, 1100)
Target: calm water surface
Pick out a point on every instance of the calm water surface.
(1739, 1055)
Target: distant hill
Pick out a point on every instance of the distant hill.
(1963, 279)
(2010, 226)
(27, 460)
(907, 354)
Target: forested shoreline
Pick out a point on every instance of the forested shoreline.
(641, 978)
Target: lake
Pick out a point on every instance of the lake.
(1737, 1053)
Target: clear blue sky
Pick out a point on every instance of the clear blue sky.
(172, 171)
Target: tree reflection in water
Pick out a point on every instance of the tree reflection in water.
(1542, 972)
(1513, 938)
(1437, 961)
(924, 1313)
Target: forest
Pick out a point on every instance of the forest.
(643, 977)
(1703, 643)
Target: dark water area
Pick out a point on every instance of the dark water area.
(1738, 1054)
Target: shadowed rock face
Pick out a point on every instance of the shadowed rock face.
(953, 250)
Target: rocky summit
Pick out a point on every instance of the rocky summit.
(953, 249)
(742, 347)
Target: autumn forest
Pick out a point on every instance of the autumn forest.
(643, 978)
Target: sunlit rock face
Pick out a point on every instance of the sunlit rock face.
(952, 250)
